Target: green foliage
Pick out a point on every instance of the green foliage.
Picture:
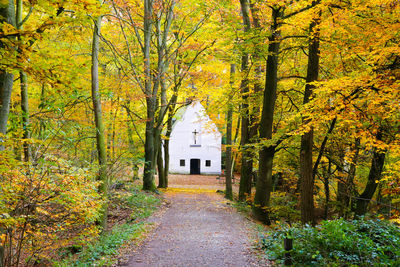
(337, 243)
(142, 204)
(283, 206)
(100, 253)
(242, 207)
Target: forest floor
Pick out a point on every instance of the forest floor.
(197, 227)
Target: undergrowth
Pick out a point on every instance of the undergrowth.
(337, 243)
(138, 205)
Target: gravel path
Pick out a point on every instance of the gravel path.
(198, 229)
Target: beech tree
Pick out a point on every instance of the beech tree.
(306, 160)
(7, 13)
(100, 138)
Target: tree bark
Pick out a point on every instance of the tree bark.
(163, 62)
(267, 153)
(166, 161)
(24, 94)
(132, 146)
(25, 116)
(374, 176)
(247, 162)
(171, 112)
(7, 14)
(42, 122)
(327, 176)
(306, 161)
(228, 156)
(100, 138)
(160, 166)
(258, 72)
(346, 186)
(149, 150)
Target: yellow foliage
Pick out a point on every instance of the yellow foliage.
(50, 206)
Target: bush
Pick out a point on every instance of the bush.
(45, 207)
(138, 205)
(337, 243)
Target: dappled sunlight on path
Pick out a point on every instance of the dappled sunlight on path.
(211, 182)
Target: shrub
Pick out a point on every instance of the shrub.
(138, 205)
(337, 243)
(45, 207)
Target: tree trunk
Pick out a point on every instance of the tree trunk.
(166, 162)
(166, 144)
(42, 122)
(159, 82)
(24, 93)
(254, 116)
(131, 144)
(25, 116)
(228, 157)
(247, 162)
(345, 187)
(306, 161)
(100, 138)
(7, 14)
(160, 166)
(149, 150)
(171, 112)
(327, 176)
(267, 153)
(374, 176)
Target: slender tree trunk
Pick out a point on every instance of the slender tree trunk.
(253, 101)
(132, 147)
(149, 150)
(171, 112)
(374, 176)
(166, 146)
(258, 72)
(100, 138)
(148, 175)
(42, 123)
(160, 166)
(166, 163)
(25, 116)
(228, 157)
(131, 143)
(306, 161)
(161, 83)
(307, 181)
(163, 62)
(157, 145)
(267, 153)
(247, 162)
(345, 187)
(24, 93)
(7, 14)
(327, 177)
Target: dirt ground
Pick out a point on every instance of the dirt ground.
(199, 228)
(212, 182)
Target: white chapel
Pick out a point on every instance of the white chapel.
(195, 143)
